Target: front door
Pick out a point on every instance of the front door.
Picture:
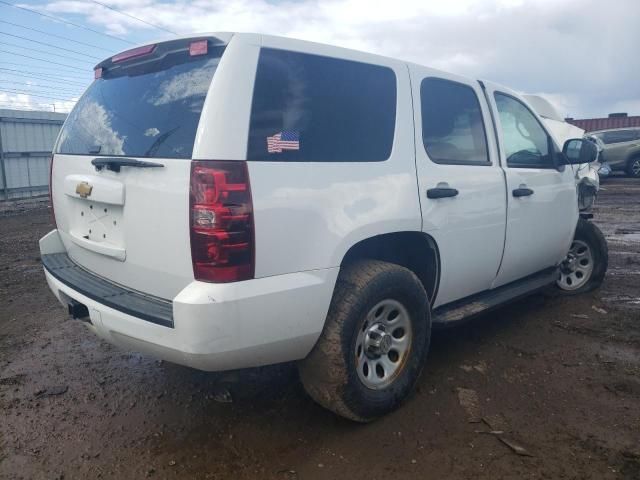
(542, 209)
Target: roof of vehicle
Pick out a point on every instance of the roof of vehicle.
(225, 37)
(614, 130)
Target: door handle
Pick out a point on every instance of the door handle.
(522, 192)
(441, 192)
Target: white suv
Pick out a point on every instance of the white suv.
(234, 200)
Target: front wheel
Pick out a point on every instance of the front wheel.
(633, 167)
(586, 263)
(372, 349)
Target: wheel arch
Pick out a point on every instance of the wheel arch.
(416, 251)
(631, 157)
(633, 154)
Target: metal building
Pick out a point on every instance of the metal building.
(614, 120)
(26, 141)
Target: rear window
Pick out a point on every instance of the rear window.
(310, 108)
(145, 107)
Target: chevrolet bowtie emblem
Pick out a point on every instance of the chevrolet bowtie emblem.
(84, 189)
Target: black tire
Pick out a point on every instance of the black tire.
(588, 233)
(633, 167)
(329, 372)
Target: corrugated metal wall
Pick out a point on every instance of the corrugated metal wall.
(26, 141)
(593, 124)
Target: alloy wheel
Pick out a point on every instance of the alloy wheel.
(577, 267)
(383, 344)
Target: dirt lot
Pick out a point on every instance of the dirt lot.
(561, 378)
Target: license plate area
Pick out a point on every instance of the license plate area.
(97, 223)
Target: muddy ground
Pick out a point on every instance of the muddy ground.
(561, 378)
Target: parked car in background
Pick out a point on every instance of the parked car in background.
(603, 168)
(621, 149)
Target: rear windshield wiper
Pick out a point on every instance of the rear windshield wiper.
(114, 164)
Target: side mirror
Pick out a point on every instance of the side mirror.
(579, 150)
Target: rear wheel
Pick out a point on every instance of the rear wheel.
(372, 349)
(633, 167)
(586, 263)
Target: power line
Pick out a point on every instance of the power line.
(135, 18)
(38, 104)
(18, 104)
(38, 76)
(36, 107)
(37, 85)
(57, 36)
(45, 52)
(49, 45)
(11, 90)
(30, 107)
(59, 19)
(62, 96)
(43, 60)
(72, 75)
(23, 104)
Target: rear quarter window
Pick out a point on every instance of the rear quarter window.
(310, 108)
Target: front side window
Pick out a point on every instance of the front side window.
(526, 144)
(452, 126)
(310, 108)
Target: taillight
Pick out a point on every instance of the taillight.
(221, 220)
(53, 213)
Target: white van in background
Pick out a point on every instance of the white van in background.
(587, 175)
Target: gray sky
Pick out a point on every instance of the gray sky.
(584, 55)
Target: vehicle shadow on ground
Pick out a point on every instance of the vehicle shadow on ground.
(262, 389)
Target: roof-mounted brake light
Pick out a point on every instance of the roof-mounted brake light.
(97, 73)
(133, 53)
(198, 47)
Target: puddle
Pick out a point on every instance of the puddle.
(624, 238)
(622, 298)
(619, 353)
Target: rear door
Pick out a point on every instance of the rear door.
(542, 203)
(121, 219)
(617, 144)
(461, 185)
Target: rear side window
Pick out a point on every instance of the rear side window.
(148, 107)
(309, 108)
(619, 136)
(452, 126)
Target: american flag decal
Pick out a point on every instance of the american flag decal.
(285, 140)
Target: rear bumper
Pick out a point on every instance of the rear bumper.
(214, 326)
(153, 310)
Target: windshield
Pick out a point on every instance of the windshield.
(147, 109)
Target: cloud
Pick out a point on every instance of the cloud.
(94, 128)
(184, 86)
(21, 101)
(583, 53)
